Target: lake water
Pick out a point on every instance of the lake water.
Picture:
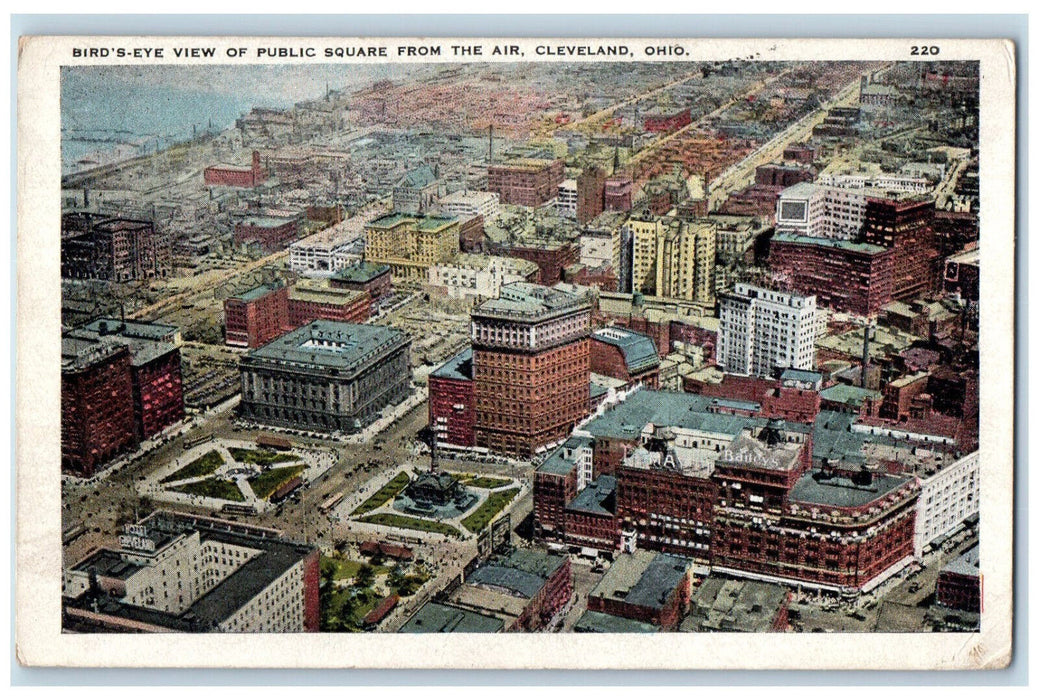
(118, 112)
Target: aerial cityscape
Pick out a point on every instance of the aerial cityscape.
(521, 347)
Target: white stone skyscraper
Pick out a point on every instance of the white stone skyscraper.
(762, 331)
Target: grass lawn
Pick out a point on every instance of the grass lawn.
(206, 464)
(496, 501)
(213, 488)
(260, 457)
(383, 495)
(268, 482)
(348, 568)
(409, 523)
(487, 482)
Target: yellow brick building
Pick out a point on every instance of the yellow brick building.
(410, 244)
(673, 258)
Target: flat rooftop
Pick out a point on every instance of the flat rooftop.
(276, 556)
(267, 221)
(798, 239)
(146, 341)
(361, 272)
(430, 223)
(257, 292)
(598, 498)
(603, 623)
(727, 605)
(470, 197)
(530, 301)
(967, 564)
(342, 346)
(819, 488)
(437, 617)
(672, 409)
(643, 578)
(459, 367)
(848, 395)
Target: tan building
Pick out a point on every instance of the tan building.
(476, 276)
(673, 258)
(411, 244)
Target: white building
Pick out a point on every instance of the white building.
(948, 496)
(479, 276)
(566, 199)
(761, 331)
(332, 249)
(175, 572)
(822, 211)
(465, 204)
(885, 183)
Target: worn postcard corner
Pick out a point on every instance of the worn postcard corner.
(329, 343)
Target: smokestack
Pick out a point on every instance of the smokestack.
(86, 198)
(490, 143)
(867, 329)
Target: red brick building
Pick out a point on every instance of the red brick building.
(667, 122)
(158, 393)
(800, 153)
(668, 510)
(851, 277)
(452, 410)
(602, 277)
(645, 586)
(94, 379)
(97, 416)
(737, 492)
(590, 519)
(782, 175)
(959, 583)
(264, 313)
(256, 317)
(551, 257)
(528, 182)
(226, 175)
(530, 367)
(471, 234)
(528, 588)
(906, 396)
(904, 226)
(271, 234)
(591, 188)
(310, 301)
(365, 277)
(617, 195)
(834, 528)
(625, 355)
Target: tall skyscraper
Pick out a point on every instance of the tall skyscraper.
(530, 367)
(673, 258)
(763, 331)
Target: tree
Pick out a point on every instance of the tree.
(365, 576)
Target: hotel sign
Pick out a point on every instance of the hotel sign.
(136, 537)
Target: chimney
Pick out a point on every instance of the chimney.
(866, 331)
